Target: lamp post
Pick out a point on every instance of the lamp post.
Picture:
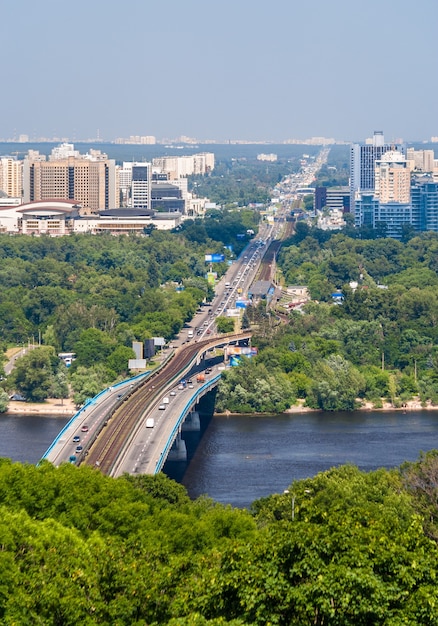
(286, 491)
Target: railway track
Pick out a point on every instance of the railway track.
(113, 436)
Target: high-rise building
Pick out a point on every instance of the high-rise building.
(392, 178)
(88, 179)
(182, 166)
(141, 186)
(424, 192)
(362, 163)
(11, 172)
(420, 160)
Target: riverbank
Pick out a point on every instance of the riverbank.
(411, 405)
(52, 406)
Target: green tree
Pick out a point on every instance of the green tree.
(225, 324)
(4, 401)
(337, 385)
(88, 382)
(34, 372)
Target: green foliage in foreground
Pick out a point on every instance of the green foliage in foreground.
(78, 547)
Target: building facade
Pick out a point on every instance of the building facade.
(363, 157)
(90, 180)
(11, 177)
(392, 178)
(141, 186)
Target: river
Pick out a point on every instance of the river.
(237, 459)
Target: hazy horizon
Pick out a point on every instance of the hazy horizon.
(261, 72)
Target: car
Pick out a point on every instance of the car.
(78, 449)
(72, 459)
(17, 397)
(208, 370)
(162, 407)
(172, 393)
(84, 428)
(190, 386)
(208, 332)
(180, 387)
(76, 439)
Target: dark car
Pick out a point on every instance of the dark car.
(76, 439)
(78, 449)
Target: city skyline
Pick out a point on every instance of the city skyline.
(259, 72)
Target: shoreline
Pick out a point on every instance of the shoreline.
(67, 408)
(51, 407)
(411, 405)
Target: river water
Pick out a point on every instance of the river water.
(237, 459)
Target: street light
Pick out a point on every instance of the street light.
(286, 491)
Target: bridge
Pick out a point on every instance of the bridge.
(112, 428)
(111, 433)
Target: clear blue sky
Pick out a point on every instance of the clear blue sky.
(247, 69)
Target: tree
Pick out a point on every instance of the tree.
(225, 324)
(88, 382)
(59, 388)
(34, 373)
(93, 346)
(4, 401)
(118, 359)
(337, 385)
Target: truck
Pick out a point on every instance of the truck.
(200, 378)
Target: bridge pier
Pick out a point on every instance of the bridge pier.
(178, 451)
(192, 423)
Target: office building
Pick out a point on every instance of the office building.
(166, 198)
(332, 198)
(424, 199)
(90, 180)
(389, 217)
(141, 186)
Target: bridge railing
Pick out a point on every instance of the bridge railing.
(163, 455)
(90, 402)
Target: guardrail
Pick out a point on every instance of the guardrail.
(186, 410)
(90, 402)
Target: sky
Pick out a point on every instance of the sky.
(256, 70)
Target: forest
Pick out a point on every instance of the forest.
(342, 548)
(379, 344)
(93, 295)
